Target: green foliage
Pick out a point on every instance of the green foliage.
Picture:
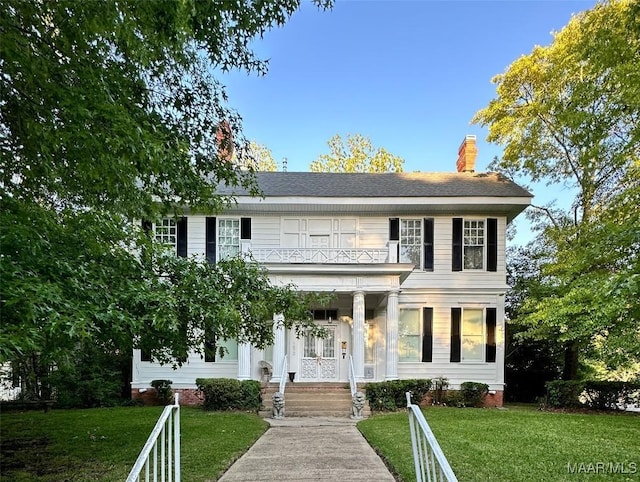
(439, 391)
(473, 393)
(564, 393)
(229, 394)
(611, 395)
(258, 157)
(496, 445)
(391, 395)
(567, 115)
(163, 390)
(357, 156)
(110, 113)
(101, 444)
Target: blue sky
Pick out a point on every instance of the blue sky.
(409, 75)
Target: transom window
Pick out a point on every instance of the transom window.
(228, 238)
(166, 231)
(472, 336)
(411, 241)
(474, 240)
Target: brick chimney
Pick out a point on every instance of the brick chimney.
(224, 141)
(467, 154)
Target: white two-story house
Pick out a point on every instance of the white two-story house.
(416, 262)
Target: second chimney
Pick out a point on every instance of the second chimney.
(467, 154)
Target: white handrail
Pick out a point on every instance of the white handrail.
(429, 460)
(352, 377)
(283, 376)
(321, 255)
(166, 433)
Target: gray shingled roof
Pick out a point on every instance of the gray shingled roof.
(415, 184)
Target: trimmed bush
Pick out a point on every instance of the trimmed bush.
(473, 393)
(564, 393)
(609, 395)
(163, 390)
(229, 394)
(386, 396)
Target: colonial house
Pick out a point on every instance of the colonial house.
(416, 262)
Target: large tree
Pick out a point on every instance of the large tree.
(110, 113)
(358, 155)
(568, 114)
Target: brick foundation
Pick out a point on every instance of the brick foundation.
(492, 400)
(188, 396)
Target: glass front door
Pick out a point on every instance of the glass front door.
(319, 357)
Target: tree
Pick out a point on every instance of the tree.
(568, 114)
(110, 114)
(357, 156)
(258, 157)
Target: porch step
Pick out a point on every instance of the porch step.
(312, 400)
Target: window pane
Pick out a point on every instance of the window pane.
(411, 241)
(228, 238)
(409, 335)
(472, 335)
(232, 347)
(328, 344)
(165, 231)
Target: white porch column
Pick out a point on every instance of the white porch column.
(244, 361)
(278, 347)
(358, 335)
(392, 336)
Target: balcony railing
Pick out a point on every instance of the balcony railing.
(321, 255)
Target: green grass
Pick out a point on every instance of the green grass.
(517, 444)
(101, 445)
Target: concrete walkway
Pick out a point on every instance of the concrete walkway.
(310, 448)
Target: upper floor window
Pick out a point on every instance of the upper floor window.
(474, 244)
(228, 238)
(166, 231)
(415, 241)
(411, 241)
(474, 241)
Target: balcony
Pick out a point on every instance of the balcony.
(322, 255)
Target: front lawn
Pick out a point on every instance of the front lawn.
(101, 445)
(516, 444)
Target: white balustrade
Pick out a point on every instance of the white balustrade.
(320, 255)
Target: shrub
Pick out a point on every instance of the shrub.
(163, 390)
(439, 391)
(391, 395)
(473, 393)
(230, 394)
(453, 398)
(609, 395)
(564, 393)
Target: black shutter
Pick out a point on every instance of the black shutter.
(428, 244)
(147, 226)
(181, 232)
(456, 315)
(491, 335)
(456, 250)
(427, 334)
(210, 240)
(492, 244)
(209, 348)
(394, 229)
(245, 228)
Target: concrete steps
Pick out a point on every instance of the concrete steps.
(312, 400)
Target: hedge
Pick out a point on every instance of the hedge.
(229, 394)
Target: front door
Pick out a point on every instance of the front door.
(319, 357)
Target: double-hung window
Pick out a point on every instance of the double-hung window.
(473, 335)
(409, 335)
(166, 231)
(414, 241)
(474, 242)
(411, 241)
(228, 238)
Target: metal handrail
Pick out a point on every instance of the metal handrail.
(429, 460)
(352, 377)
(166, 435)
(283, 376)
